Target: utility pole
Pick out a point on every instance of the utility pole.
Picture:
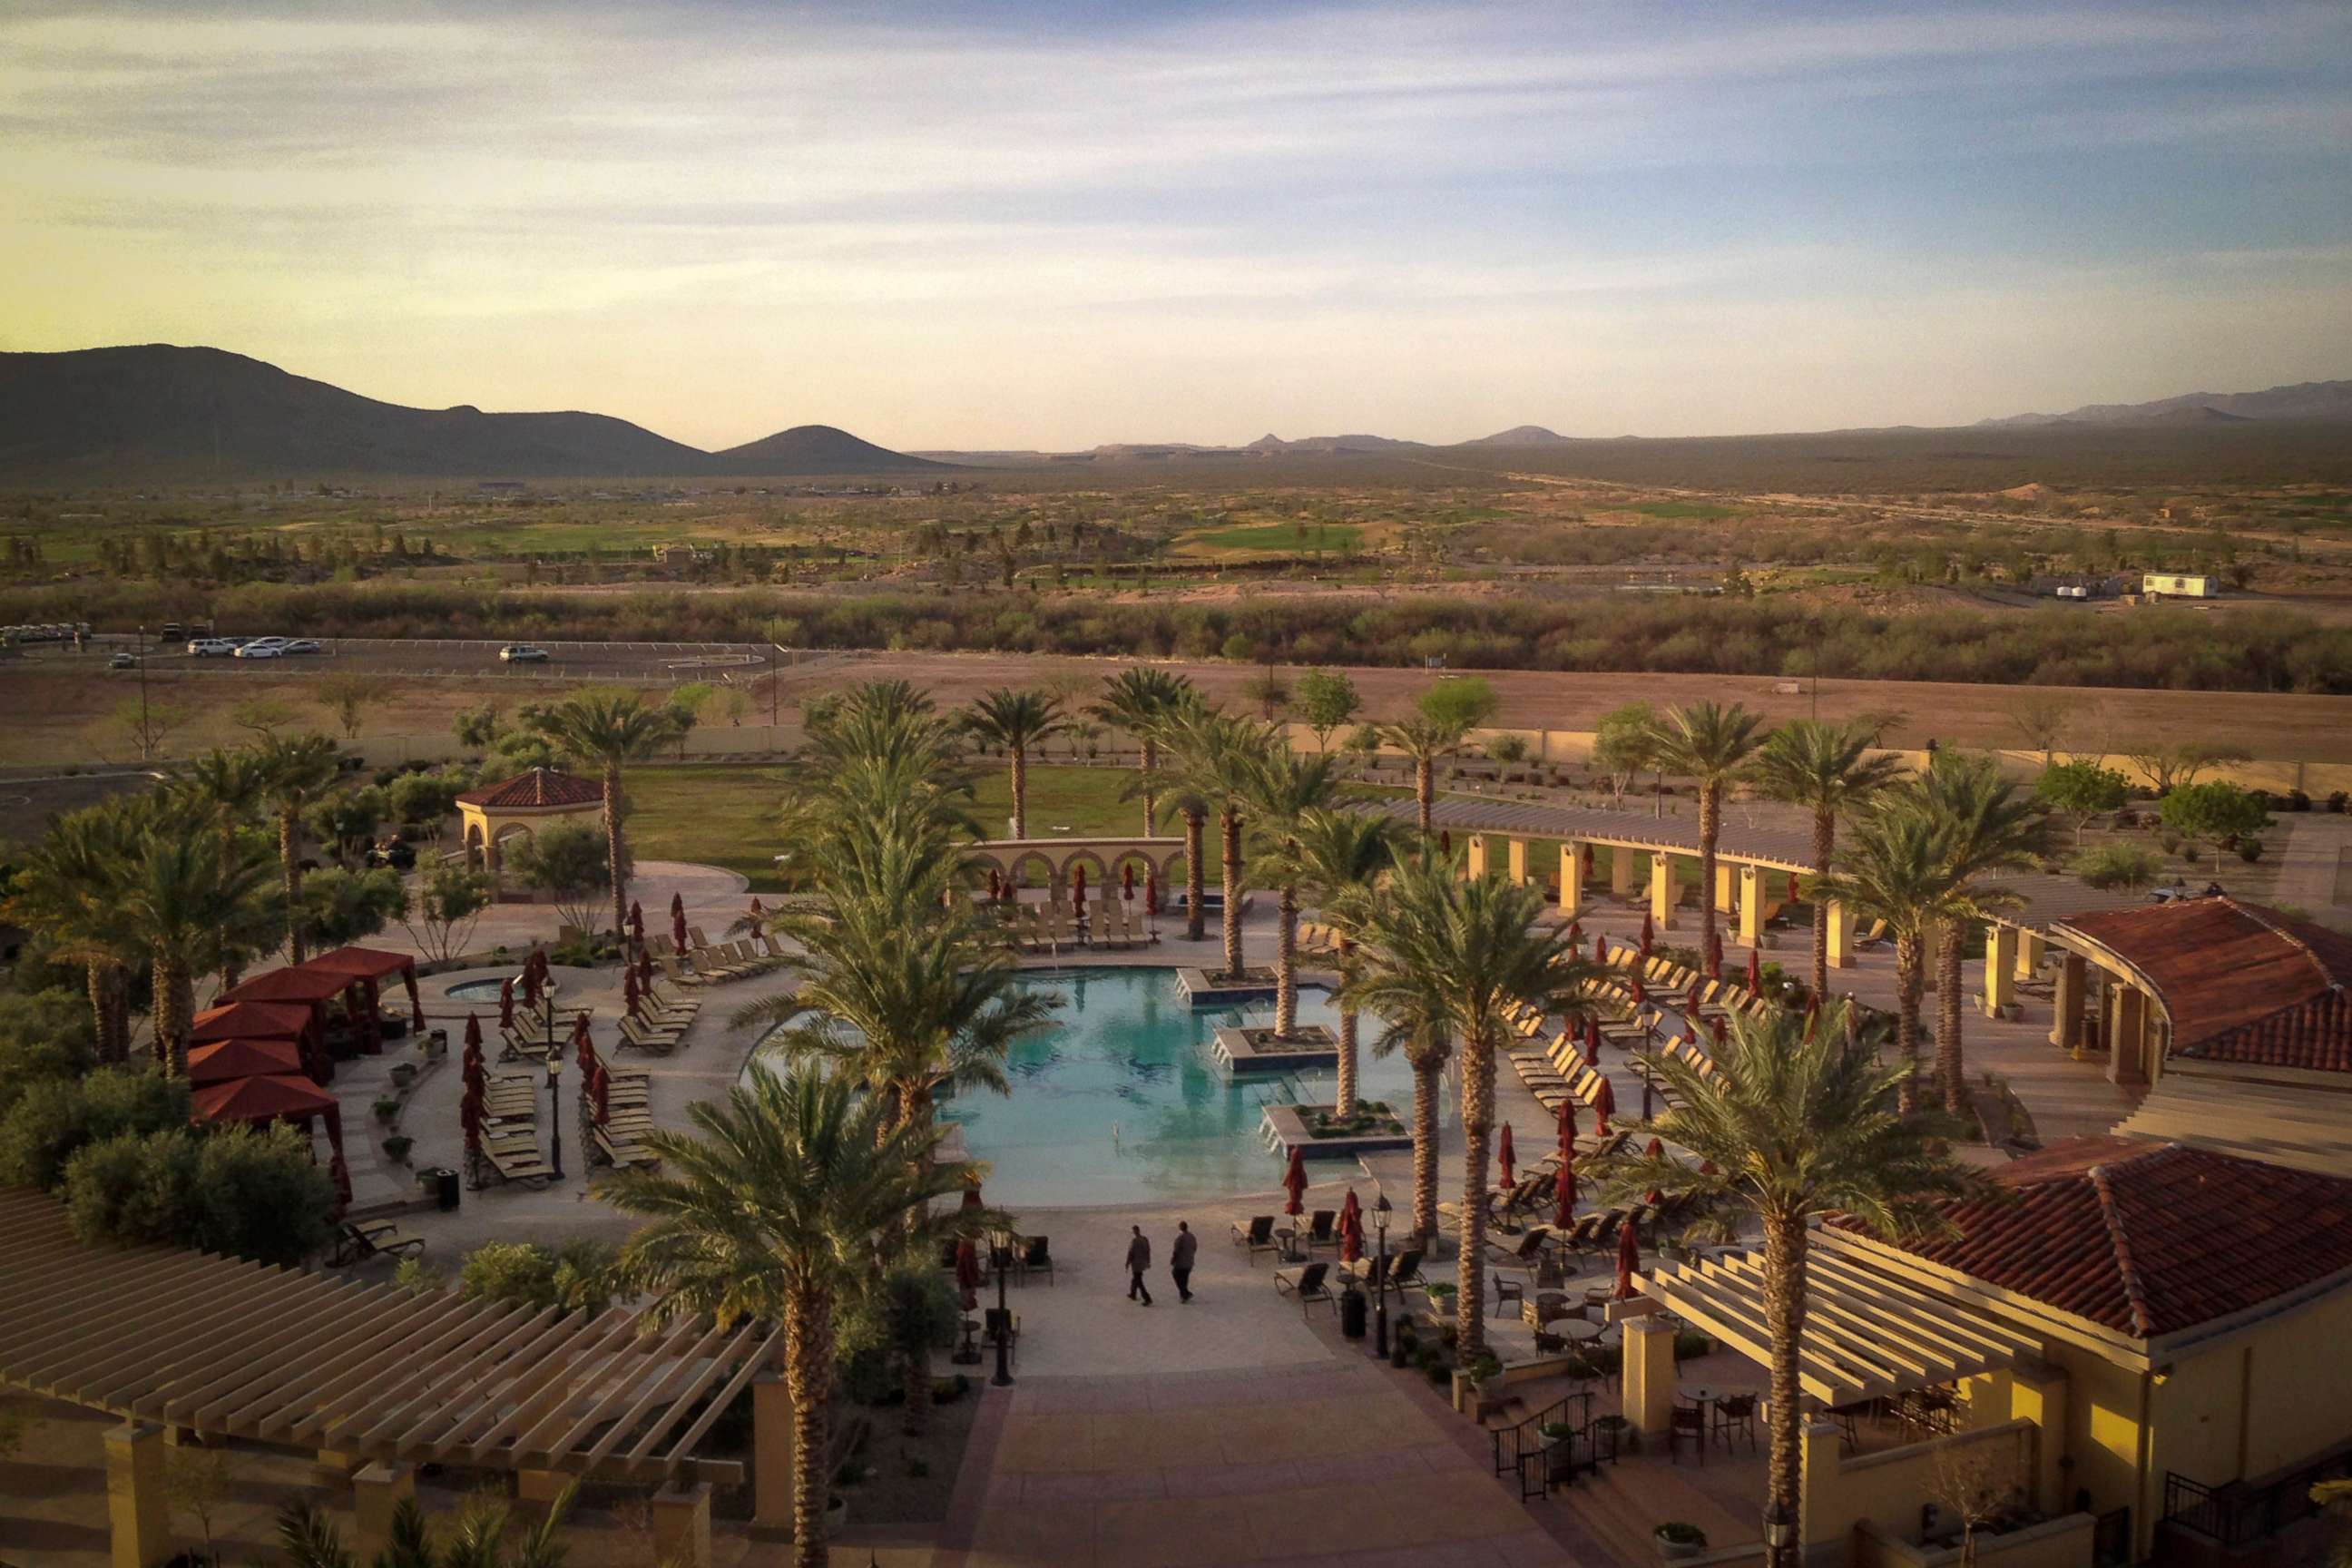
(143, 730)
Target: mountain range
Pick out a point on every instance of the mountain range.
(2324, 400)
(160, 413)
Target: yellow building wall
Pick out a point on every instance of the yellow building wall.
(1885, 1490)
(2300, 1400)
(2104, 1420)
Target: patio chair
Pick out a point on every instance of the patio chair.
(1003, 1324)
(1404, 1272)
(358, 1241)
(1319, 1231)
(1306, 1283)
(1686, 1425)
(1035, 1253)
(678, 970)
(659, 1043)
(1257, 1233)
(1736, 1414)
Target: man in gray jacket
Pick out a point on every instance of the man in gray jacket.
(1138, 1258)
(1180, 1261)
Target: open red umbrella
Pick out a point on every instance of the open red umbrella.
(1352, 1229)
(636, 922)
(1755, 970)
(1294, 1182)
(1604, 1105)
(1506, 1157)
(968, 1272)
(506, 1002)
(677, 921)
(1629, 1260)
(1592, 1042)
(1649, 932)
(1563, 1191)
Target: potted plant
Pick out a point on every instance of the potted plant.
(1678, 1540)
(404, 1074)
(836, 1514)
(386, 1107)
(397, 1147)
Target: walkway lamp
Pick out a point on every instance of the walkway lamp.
(555, 1094)
(1004, 1378)
(1380, 1211)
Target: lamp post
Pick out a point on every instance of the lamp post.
(555, 1094)
(1380, 1210)
(1004, 1378)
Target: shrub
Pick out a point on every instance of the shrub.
(2250, 850)
(2119, 866)
(1690, 1344)
(239, 1191)
(54, 1117)
(574, 1275)
(2297, 801)
(1682, 1534)
(2338, 800)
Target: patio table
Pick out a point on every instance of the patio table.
(1576, 1331)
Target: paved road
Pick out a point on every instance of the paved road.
(428, 658)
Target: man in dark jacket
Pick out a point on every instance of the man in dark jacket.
(1180, 1261)
(1138, 1258)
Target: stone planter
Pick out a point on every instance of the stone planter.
(1679, 1551)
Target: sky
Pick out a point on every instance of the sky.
(1054, 224)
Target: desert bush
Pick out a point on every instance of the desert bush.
(239, 1191)
(2119, 866)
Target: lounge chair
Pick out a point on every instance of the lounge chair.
(357, 1241)
(1253, 1232)
(1035, 1253)
(1319, 1231)
(659, 1040)
(676, 970)
(1306, 1283)
(525, 1165)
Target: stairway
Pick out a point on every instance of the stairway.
(1620, 1506)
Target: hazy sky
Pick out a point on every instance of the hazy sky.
(1059, 223)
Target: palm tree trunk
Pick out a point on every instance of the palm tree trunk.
(1907, 1019)
(1710, 828)
(114, 1024)
(616, 862)
(174, 1005)
(1824, 850)
(1477, 1125)
(1020, 791)
(1424, 791)
(808, 1379)
(1784, 1312)
(1344, 1095)
(99, 1011)
(1229, 824)
(1424, 1151)
(1950, 1069)
(289, 856)
(1285, 964)
(919, 1390)
(1195, 880)
(1151, 765)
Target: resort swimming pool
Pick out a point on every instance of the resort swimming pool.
(1121, 1101)
(476, 991)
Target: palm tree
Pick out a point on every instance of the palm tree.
(1215, 755)
(785, 1202)
(1340, 857)
(226, 789)
(1708, 742)
(61, 890)
(1789, 1125)
(1462, 955)
(187, 902)
(1424, 740)
(297, 770)
(1989, 826)
(1894, 868)
(1141, 700)
(1830, 769)
(609, 729)
(1017, 721)
(1282, 791)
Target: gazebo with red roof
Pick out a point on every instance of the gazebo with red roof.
(490, 816)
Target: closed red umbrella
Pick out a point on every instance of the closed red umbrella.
(995, 883)
(1563, 1191)
(1716, 1024)
(972, 1196)
(1629, 1260)
(469, 1115)
(1690, 1033)
(1715, 957)
(677, 921)
(628, 991)
(1605, 1106)
(1566, 1129)
(1294, 1182)
(1127, 881)
(1755, 970)
(1151, 891)
(1588, 860)
(1445, 841)
(1352, 1229)
(1592, 1042)
(506, 1002)
(644, 973)
(1505, 1156)
(1649, 932)
(1655, 1151)
(473, 1033)
(636, 922)
(758, 917)
(530, 980)
(968, 1272)
(1078, 883)
(600, 1093)
(1641, 991)
(584, 1052)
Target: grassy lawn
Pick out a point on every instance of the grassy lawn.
(724, 814)
(1282, 536)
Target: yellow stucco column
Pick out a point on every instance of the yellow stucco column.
(1571, 881)
(1726, 880)
(139, 1519)
(2000, 968)
(377, 1491)
(1621, 871)
(1987, 1399)
(2038, 1394)
(1841, 924)
(541, 1485)
(2126, 1051)
(682, 1526)
(1515, 859)
(1662, 890)
(1649, 1390)
(2066, 1025)
(2030, 948)
(1821, 1521)
(1474, 856)
(1751, 905)
(772, 1457)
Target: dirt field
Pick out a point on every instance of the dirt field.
(60, 716)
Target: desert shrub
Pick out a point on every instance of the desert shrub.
(574, 1275)
(2119, 866)
(53, 1118)
(2297, 801)
(239, 1191)
(2250, 850)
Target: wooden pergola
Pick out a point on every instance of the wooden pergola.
(1868, 1334)
(366, 1371)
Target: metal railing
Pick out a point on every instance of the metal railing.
(2235, 1514)
(1525, 1437)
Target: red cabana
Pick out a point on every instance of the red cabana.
(304, 1024)
(1629, 1259)
(1294, 1182)
(1506, 1157)
(371, 966)
(284, 1097)
(224, 1060)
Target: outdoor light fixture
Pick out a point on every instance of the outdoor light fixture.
(1380, 1211)
(1779, 1529)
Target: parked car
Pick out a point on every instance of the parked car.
(300, 645)
(174, 631)
(521, 652)
(262, 648)
(211, 647)
(123, 662)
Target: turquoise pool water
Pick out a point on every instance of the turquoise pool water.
(1121, 1101)
(476, 991)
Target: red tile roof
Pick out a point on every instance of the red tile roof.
(541, 787)
(2149, 1239)
(2241, 982)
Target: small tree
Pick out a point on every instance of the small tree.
(2082, 791)
(449, 905)
(479, 728)
(262, 716)
(347, 820)
(426, 801)
(918, 1313)
(2119, 866)
(149, 725)
(340, 906)
(1621, 744)
(197, 1481)
(1464, 704)
(569, 863)
(2172, 767)
(1268, 690)
(2039, 722)
(686, 705)
(2221, 814)
(575, 1276)
(1508, 750)
(348, 695)
(1326, 701)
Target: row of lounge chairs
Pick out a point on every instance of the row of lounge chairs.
(1109, 925)
(705, 963)
(628, 1116)
(509, 1141)
(1310, 1281)
(661, 1024)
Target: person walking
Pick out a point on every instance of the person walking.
(1138, 1258)
(1180, 1261)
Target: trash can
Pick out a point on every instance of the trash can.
(442, 1182)
(1351, 1314)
